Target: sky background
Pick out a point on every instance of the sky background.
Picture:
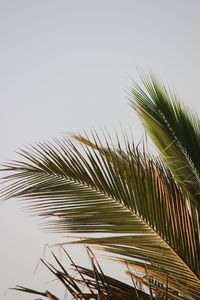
(66, 66)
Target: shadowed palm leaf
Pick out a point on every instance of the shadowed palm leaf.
(90, 284)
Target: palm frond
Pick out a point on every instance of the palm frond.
(88, 283)
(122, 192)
(174, 129)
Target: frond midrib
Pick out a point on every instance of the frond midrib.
(106, 195)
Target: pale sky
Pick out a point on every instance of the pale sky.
(66, 66)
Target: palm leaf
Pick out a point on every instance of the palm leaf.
(122, 192)
(88, 283)
(174, 129)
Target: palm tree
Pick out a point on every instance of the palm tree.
(145, 206)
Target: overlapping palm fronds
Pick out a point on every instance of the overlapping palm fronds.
(149, 209)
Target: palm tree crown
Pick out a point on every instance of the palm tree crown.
(147, 205)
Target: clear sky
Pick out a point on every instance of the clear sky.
(66, 66)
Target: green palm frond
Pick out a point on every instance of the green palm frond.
(110, 190)
(174, 129)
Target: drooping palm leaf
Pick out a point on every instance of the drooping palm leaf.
(175, 208)
(120, 192)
